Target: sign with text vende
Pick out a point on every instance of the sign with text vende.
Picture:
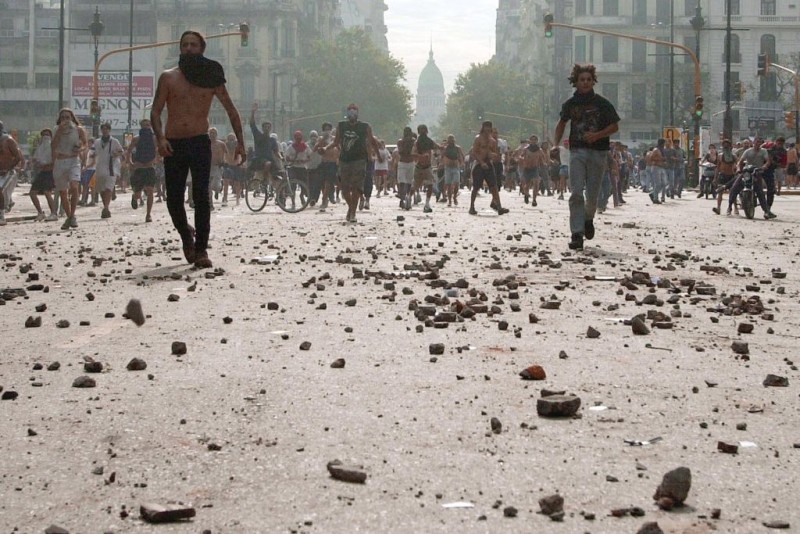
(113, 96)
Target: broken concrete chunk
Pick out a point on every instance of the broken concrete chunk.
(347, 473)
(157, 513)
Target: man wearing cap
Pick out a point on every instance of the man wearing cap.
(355, 141)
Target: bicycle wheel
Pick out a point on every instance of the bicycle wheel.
(255, 203)
(292, 195)
(748, 204)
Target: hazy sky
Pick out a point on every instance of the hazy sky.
(462, 33)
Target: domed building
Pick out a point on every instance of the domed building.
(430, 95)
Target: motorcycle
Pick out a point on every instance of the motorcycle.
(747, 196)
(707, 179)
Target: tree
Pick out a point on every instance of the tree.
(352, 69)
(488, 91)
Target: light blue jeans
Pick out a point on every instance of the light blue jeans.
(586, 168)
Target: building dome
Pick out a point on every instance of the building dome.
(430, 79)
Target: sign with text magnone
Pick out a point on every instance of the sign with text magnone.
(113, 96)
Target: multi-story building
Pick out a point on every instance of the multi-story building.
(369, 16)
(28, 65)
(760, 27)
(651, 85)
(520, 46)
(123, 23)
(263, 72)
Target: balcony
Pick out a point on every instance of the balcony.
(27, 95)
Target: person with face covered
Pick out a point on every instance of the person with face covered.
(187, 92)
(43, 176)
(355, 142)
(298, 156)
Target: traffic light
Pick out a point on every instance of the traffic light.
(789, 117)
(698, 108)
(548, 25)
(763, 65)
(244, 29)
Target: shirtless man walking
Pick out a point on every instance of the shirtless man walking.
(453, 161)
(68, 144)
(485, 152)
(187, 92)
(141, 157)
(533, 159)
(423, 173)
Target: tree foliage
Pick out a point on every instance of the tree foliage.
(352, 69)
(492, 90)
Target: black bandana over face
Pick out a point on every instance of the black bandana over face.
(201, 71)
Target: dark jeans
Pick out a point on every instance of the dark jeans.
(369, 179)
(192, 154)
(769, 181)
(314, 185)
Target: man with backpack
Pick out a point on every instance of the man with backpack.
(142, 159)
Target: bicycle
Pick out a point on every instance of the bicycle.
(290, 194)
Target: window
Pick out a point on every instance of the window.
(736, 55)
(611, 92)
(768, 90)
(6, 24)
(690, 42)
(663, 8)
(610, 8)
(735, 120)
(639, 56)
(610, 49)
(580, 49)
(48, 80)
(735, 8)
(768, 8)
(248, 88)
(639, 101)
(689, 8)
(640, 11)
(580, 8)
(13, 80)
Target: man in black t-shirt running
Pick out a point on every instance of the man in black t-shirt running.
(355, 141)
(592, 120)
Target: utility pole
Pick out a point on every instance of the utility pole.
(672, 64)
(727, 124)
(130, 74)
(61, 56)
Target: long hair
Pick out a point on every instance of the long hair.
(73, 118)
(579, 69)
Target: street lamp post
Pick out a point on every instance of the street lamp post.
(96, 29)
(698, 22)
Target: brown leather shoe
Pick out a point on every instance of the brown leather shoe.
(202, 261)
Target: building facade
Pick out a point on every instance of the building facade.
(263, 72)
(758, 103)
(28, 65)
(369, 16)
